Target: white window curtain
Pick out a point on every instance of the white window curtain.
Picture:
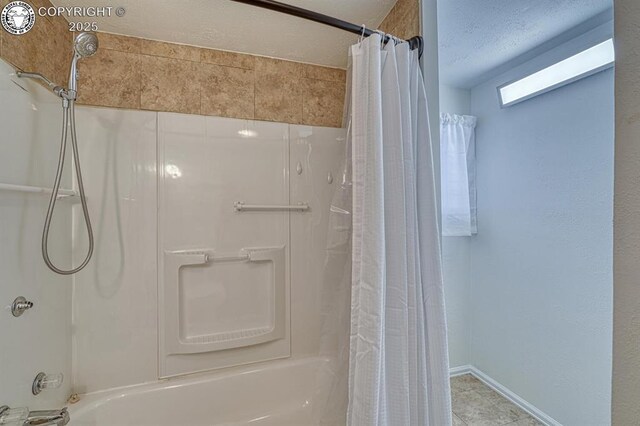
(458, 175)
(398, 362)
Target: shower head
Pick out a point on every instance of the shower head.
(85, 45)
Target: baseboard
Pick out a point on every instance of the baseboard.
(459, 371)
(532, 410)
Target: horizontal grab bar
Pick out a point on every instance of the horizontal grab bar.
(214, 258)
(62, 193)
(240, 207)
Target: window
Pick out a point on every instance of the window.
(580, 65)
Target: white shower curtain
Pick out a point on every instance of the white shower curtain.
(398, 363)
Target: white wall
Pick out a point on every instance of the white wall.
(626, 343)
(541, 263)
(429, 65)
(454, 100)
(456, 261)
(115, 296)
(39, 340)
(456, 271)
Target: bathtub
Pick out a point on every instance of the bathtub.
(274, 393)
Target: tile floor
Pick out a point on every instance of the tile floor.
(475, 404)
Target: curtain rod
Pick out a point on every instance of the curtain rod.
(414, 42)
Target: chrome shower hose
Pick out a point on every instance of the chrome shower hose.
(68, 119)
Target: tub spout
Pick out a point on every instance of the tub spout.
(48, 418)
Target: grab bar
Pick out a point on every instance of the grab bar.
(240, 207)
(223, 258)
(62, 193)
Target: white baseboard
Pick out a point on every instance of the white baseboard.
(459, 371)
(532, 410)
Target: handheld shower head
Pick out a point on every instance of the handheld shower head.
(85, 44)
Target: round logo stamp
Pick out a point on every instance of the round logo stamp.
(17, 17)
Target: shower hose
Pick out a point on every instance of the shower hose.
(68, 120)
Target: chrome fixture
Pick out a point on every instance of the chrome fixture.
(48, 418)
(20, 305)
(13, 416)
(23, 417)
(239, 206)
(46, 381)
(62, 193)
(37, 76)
(85, 45)
(58, 90)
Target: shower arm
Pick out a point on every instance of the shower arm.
(66, 95)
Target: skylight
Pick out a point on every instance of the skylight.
(580, 65)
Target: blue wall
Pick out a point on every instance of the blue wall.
(541, 263)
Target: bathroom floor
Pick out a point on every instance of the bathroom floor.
(475, 404)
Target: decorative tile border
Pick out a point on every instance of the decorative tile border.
(135, 73)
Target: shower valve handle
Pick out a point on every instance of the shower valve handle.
(20, 305)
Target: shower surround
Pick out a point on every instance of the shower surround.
(107, 337)
(200, 166)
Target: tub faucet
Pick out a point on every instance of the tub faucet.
(47, 418)
(22, 416)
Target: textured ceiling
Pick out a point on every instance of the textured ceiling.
(477, 36)
(224, 24)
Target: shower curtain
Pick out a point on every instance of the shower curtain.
(398, 362)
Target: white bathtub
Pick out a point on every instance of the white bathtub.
(274, 393)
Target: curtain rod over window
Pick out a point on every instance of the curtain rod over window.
(414, 42)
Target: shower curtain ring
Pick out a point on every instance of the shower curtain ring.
(362, 33)
(383, 36)
(393, 38)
